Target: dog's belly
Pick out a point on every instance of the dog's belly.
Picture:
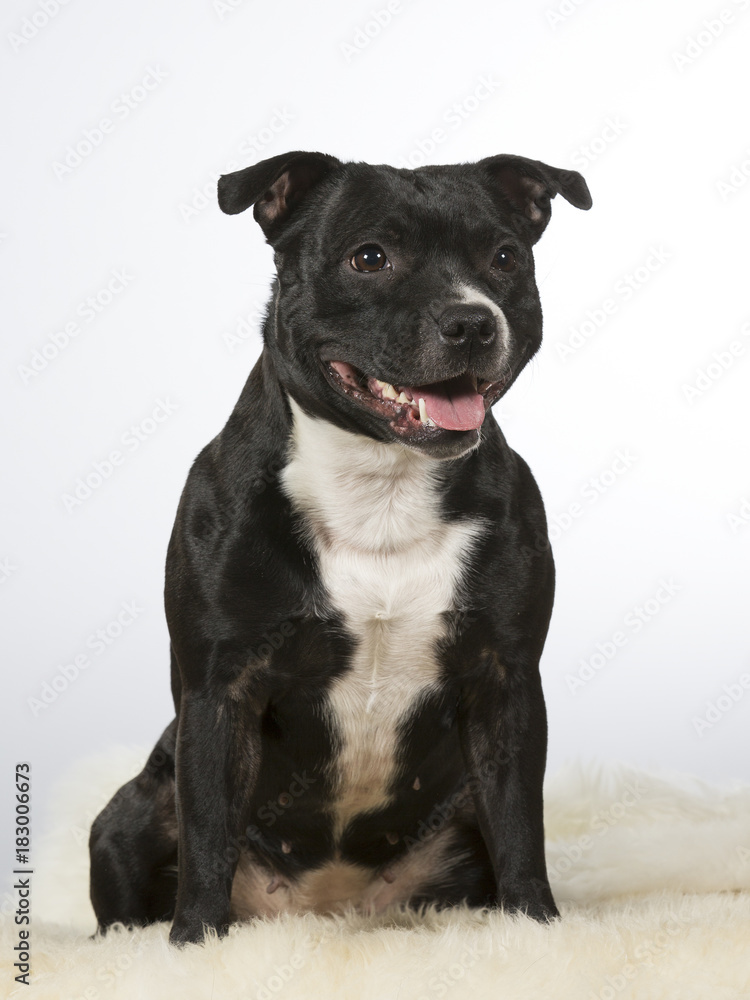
(337, 885)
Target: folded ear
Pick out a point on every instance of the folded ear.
(273, 186)
(529, 186)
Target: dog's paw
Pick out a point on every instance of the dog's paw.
(533, 899)
(191, 929)
(544, 912)
(182, 934)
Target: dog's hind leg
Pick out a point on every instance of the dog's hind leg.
(133, 845)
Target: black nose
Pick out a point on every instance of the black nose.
(461, 324)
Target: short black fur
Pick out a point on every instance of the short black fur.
(256, 647)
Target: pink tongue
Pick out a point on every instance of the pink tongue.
(454, 405)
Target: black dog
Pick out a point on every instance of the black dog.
(355, 626)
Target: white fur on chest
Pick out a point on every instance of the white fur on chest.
(390, 565)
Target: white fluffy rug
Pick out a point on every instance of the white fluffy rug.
(652, 874)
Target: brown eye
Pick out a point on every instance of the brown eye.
(369, 258)
(504, 259)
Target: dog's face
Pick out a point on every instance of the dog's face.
(406, 302)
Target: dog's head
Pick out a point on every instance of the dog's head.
(397, 286)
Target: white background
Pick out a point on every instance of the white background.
(659, 126)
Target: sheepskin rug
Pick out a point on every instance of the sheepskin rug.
(651, 872)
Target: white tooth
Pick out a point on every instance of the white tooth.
(427, 421)
(388, 391)
(382, 385)
(402, 398)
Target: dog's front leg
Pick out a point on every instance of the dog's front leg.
(217, 758)
(503, 731)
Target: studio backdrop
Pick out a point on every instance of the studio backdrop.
(132, 310)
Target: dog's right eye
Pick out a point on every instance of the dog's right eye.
(369, 258)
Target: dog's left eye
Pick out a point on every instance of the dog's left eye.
(504, 259)
(369, 258)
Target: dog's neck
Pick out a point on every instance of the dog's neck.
(359, 492)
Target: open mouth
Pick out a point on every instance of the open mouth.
(455, 404)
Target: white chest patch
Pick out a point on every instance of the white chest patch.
(390, 566)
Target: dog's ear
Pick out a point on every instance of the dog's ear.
(273, 186)
(529, 185)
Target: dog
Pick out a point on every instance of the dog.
(358, 583)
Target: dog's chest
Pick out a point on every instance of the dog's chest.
(391, 566)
